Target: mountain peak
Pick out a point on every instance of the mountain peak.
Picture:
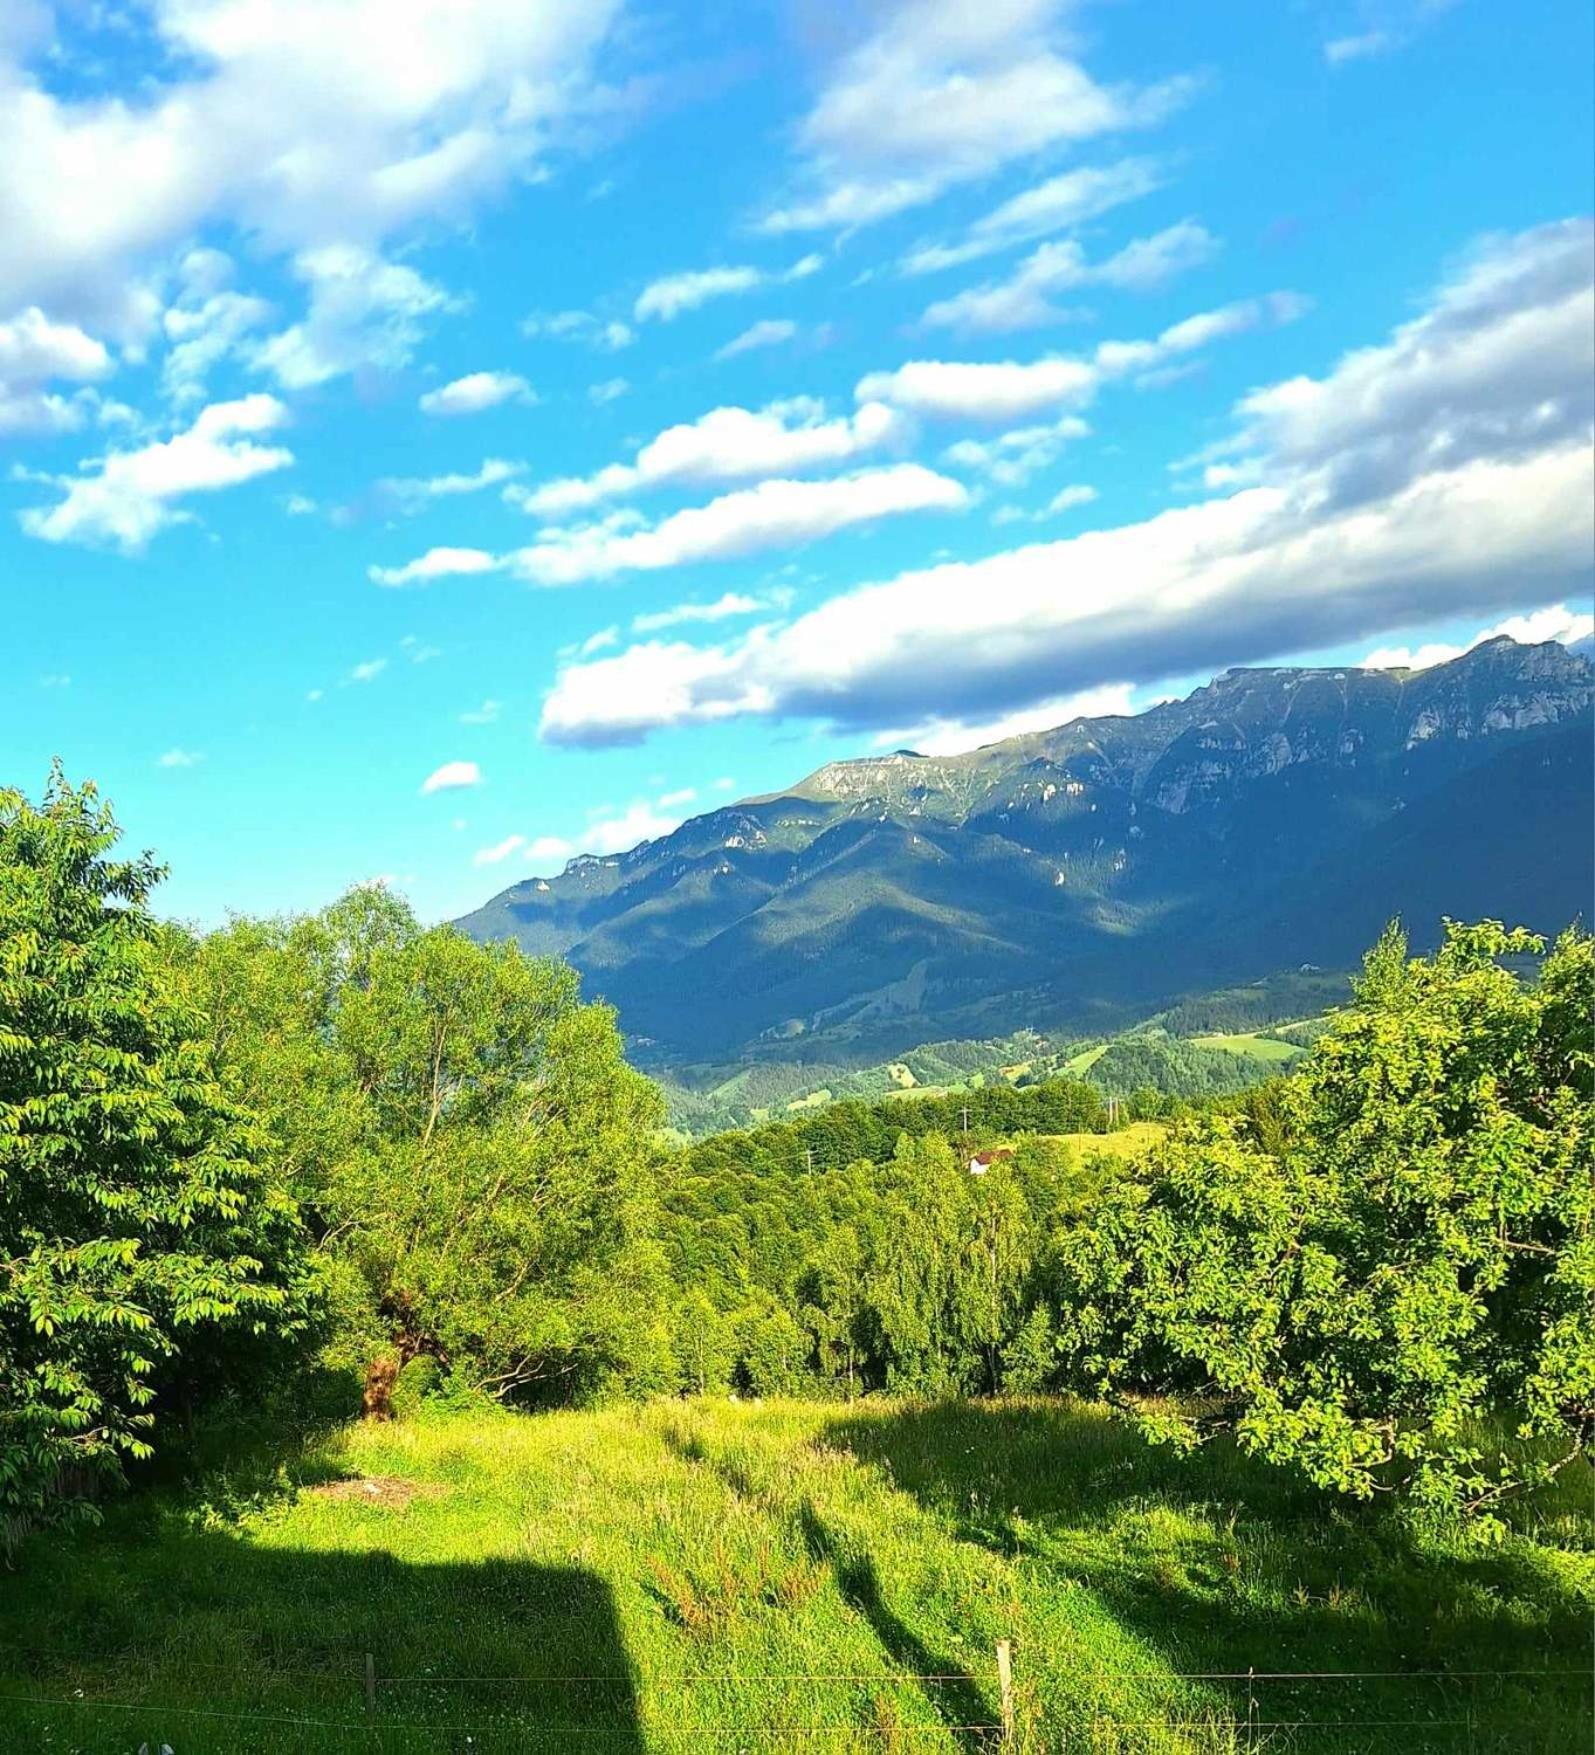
(1264, 819)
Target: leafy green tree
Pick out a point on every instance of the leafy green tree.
(475, 1152)
(140, 1235)
(1410, 1273)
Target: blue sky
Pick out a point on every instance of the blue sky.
(437, 442)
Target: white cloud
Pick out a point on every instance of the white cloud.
(180, 758)
(368, 670)
(606, 335)
(477, 391)
(1013, 457)
(302, 123)
(1024, 299)
(410, 494)
(1444, 473)
(207, 323)
(1077, 493)
(1557, 622)
(1009, 390)
(34, 351)
(726, 444)
(130, 495)
(668, 297)
(767, 332)
(638, 822)
(610, 390)
(451, 777)
(499, 851)
(546, 849)
(436, 563)
(483, 715)
(683, 795)
(951, 737)
(998, 390)
(733, 603)
(776, 513)
(299, 506)
(1339, 50)
(940, 93)
(725, 784)
(1061, 201)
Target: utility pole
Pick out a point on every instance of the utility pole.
(808, 1159)
(966, 1118)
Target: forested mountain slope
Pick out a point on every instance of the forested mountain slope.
(1070, 877)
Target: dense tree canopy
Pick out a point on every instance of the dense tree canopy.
(140, 1232)
(466, 1138)
(1406, 1285)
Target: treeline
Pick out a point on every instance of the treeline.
(345, 1151)
(853, 1131)
(1379, 1271)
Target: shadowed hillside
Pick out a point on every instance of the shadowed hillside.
(1271, 818)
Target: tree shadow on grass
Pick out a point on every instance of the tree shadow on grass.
(961, 1706)
(1222, 1564)
(148, 1631)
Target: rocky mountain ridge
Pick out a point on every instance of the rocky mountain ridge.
(1111, 860)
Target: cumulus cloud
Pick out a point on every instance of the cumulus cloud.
(939, 93)
(364, 312)
(1013, 457)
(548, 849)
(607, 335)
(1025, 299)
(619, 830)
(436, 563)
(668, 297)
(451, 777)
(733, 603)
(303, 123)
(1445, 472)
(208, 321)
(767, 332)
(126, 497)
(1558, 621)
(951, 737)
(34, 352)
(477, 391)
(776, 513)
(1010, 390)
(1051, 206)
(726, 444)
(1077, 493)
(411, 493)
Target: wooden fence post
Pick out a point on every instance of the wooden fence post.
(371, 1683)
(1005, 1686)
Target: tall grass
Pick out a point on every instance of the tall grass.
(708, 1574)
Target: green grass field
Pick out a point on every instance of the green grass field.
(1252, 1046)
(703, 1575)
(1123, 1142)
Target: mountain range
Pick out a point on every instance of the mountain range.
(1070, 879)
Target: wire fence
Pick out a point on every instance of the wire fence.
(371, 1702)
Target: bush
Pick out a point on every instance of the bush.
(418, 1382)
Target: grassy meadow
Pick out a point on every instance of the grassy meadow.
(708, 1574)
